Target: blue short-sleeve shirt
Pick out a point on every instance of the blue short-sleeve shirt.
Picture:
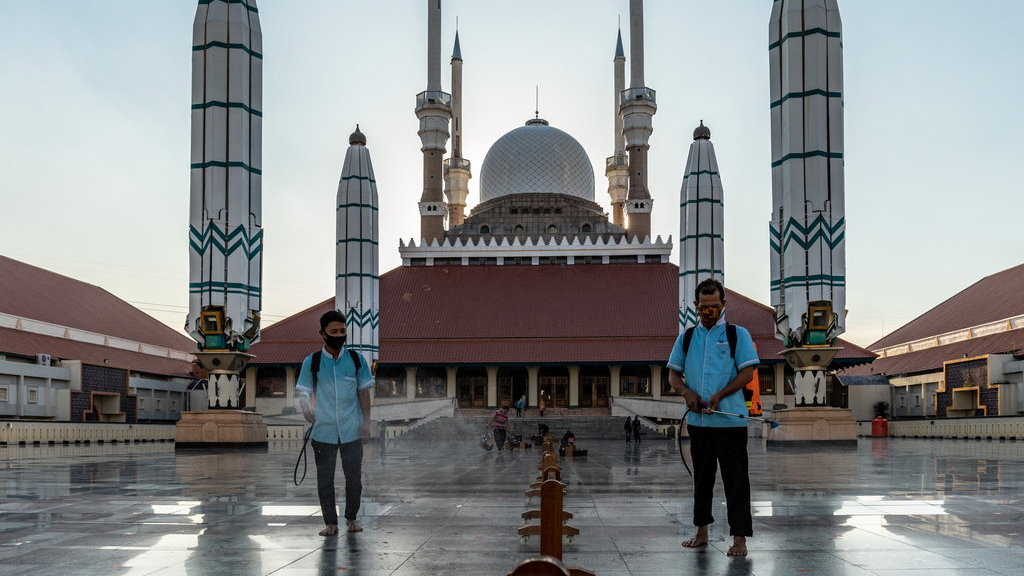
(336, 399)
(709, 367)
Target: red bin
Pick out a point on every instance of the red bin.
(879, 427)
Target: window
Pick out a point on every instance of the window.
(3, 394)
(270, 382)
(917, 401)
(519, 230)
(174, 405)
(431, 383)
(142, 402)
(33, 395)
(390, 382)
(585, 229)
(159, 404)
(552, 229)
(485, 229)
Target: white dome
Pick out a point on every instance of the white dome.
(536, 158)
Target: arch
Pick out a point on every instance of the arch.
(595, 383)
(513, 382)
(635, 380)
(519, 230)
(389, 382)
(485, 229)
(586, 228)
(553, 386)
(552, 229)
(431, 382)
(471, 387)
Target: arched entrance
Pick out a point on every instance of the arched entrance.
(553, 386)
(513, 382)
(431, 382)
(636, 380)
(594, 384)
(471, 387)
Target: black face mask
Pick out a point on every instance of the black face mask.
(334, 342)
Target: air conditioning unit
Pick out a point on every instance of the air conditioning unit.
(43, 359)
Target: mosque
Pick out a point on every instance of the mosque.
(537, 292)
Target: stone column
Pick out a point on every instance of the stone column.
(534, 372)
(250, 386)
(289, 386)
(452, 371)
(613, 384)
(656, 381)
(410, 382)
(574, 385)
(492, 385)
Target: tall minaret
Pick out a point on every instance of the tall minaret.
(357, 292)
(456, 169)
(225, 209)
(637, 107)
(616, 166)
(701, 224)
(433, 108)
(808, 263)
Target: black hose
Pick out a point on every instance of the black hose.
(302, 458)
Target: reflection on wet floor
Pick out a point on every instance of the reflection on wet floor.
(884, 507)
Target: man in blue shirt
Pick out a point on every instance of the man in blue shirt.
(714, 381)
(338, 406)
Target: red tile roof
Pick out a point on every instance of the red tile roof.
(992, 298)
(18, 342)
(931, 359)
(37, 294)
(607, 313)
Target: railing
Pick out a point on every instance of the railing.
(433, 98)
(25, 432)
(630, 95)
(991, 428)
(619, 161)
(457, 163)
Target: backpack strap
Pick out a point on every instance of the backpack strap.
(730, 335)
(355, 359)
(314, 366)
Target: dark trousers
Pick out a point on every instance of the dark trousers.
(500, 434)
(351, 464)
(725, 448)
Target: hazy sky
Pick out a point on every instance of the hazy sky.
(94, 134)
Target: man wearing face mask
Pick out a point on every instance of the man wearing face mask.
(337, 403)
(715, 377)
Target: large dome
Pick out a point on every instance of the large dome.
(536, 158)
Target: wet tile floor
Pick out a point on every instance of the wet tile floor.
(885, 507)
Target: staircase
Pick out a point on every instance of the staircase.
(467, 423)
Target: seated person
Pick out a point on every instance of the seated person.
(543, 429)
(568, 438)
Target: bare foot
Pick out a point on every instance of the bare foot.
(331, 530)
(353, 526)
(699, 540)
(739, 547)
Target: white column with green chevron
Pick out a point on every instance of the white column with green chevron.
(808, 224)
(701, 224)
(357, 292)
(225, 217)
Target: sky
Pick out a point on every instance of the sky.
(94, 134)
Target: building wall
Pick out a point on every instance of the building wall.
(159, 400)
(30, 390)
(104, 396)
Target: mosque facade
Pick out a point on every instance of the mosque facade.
(537, 291)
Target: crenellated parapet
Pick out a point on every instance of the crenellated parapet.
(535, 250)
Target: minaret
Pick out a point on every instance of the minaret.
(357, 292)
(225, 209)
(701, 224)
(456, 169)
(433, 108)
(808, 263)
(616, 166)
(637, 107)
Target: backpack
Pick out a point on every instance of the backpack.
(314, 363)
(730, 335)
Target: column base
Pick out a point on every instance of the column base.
(235, 429)
(813, 424)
